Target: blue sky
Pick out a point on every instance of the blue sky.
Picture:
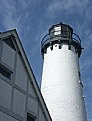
(33, 18)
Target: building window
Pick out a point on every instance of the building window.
(9, 42)
(5, 72)
(30, 117)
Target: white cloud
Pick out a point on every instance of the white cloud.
(8, 11)
(66, 6)
(86, 64)
(13, 13)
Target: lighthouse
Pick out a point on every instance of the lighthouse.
(61, 87)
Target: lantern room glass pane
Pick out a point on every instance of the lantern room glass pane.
(57, 30)
(65, 32)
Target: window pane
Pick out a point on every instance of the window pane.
(57, 30)
(64, 31)
(5, 72)
(30, 118)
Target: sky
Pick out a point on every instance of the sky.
(33, 18)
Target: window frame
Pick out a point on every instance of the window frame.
(5, 72)
(31, 116)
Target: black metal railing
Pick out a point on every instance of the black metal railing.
(65, 35)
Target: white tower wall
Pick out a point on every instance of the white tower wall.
(61, 87)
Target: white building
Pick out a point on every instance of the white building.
(62, 87)
(20, 97)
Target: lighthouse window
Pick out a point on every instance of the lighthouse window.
(79, 73)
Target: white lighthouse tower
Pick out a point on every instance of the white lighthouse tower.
(61, 86)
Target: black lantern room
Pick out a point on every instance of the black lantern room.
(61, 33)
